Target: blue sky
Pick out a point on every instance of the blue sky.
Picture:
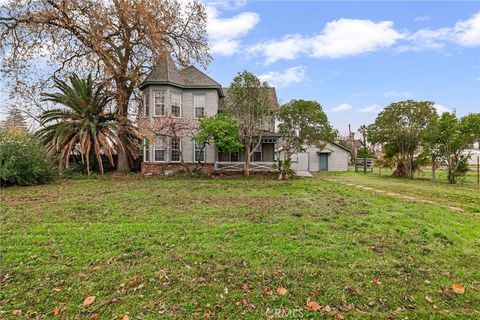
(353, 57)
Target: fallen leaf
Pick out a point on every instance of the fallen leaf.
(126, 317)
(56, 311)
(377, 281)
(267, 291)
(17, 312)
(458, 288)
(282, 291)
(313, 305)
(94, 315)
(429, 299)
(89, 300)
(328, 308)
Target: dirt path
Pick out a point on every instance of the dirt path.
(395, 194)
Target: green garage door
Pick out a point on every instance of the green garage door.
(323, 161)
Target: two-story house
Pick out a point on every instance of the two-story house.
(188, 95)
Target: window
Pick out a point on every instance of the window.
(176, 101)
(146, 151)
(146, 104)
(199, 105)
(199, 152)
(159, 154)
(175, 149)
(234, 157)
(159, 102)
(257, 154)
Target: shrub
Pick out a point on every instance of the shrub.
(23, 160)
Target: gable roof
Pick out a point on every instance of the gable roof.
(340, 146)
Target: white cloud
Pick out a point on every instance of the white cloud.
(374, 108)
(464, 33)
(287, 48)
(398, 94)
(339, 38)
(225, 33)
(468, 32)
(426, 39)
(226, 4)
(351, 37)
(441, 109)
(285, 78)
(341, 107)
(422, 19)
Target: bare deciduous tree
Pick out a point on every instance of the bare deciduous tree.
(118, 40)
(251, 105)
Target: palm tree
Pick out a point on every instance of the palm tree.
(83, 125)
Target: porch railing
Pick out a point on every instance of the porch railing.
(240, 166)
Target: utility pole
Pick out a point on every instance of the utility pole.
(363, 131)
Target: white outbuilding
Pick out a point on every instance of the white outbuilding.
(333, 157)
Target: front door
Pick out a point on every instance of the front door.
(323, 161)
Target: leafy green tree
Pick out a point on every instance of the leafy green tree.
(402, 125)
(220, 130)
(83, 125)
(303, 123)
(451, 136)
(23, 160)
(249, 102)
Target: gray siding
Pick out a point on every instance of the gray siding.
(187, 112)
(310, 160)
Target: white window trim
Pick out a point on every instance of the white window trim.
(179, 151)
(204, 95)
(195, 153)
(154, 104)
(165, 153)
(146, 104)
(181, 102)
(145, 144)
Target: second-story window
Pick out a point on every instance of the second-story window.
(176, 102)
(146, 104)
(175, 148)
(199, 105)
(159, 102)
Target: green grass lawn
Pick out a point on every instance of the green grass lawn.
(160, 248)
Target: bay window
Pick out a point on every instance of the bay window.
(175, 147)
(159, 153)
(159, 103)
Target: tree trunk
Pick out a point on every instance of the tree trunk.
(122, 99)
(247, 157)
(88, 162)
(123, 163)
